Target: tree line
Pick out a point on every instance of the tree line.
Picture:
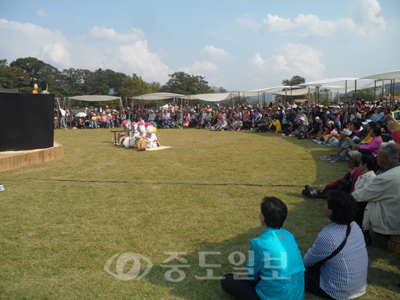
(22, 73)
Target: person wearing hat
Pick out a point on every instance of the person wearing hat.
(364, 132)
(166, 120)
(346, 145)
(94, 121)
(346, 183)
(301, 129)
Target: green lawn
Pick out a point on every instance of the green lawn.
(62, 221)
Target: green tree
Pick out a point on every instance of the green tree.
(218, 89)
(3, 70)
(114, 80)
(185, 84)
(14, 78)
(39, 70)
(134, 86)
(294, 81)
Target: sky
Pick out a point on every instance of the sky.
(238, 45)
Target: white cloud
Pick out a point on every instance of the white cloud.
(277, 24)
(42, 13)
(101, 48)
(199, 67)
(248, 21)
(367, 19)
(294, 59)
(259, 62)
(366, 22)
(214, 52)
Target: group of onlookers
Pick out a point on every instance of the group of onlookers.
(366, 198)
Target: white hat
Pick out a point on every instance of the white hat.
(346, 131)
(366, 122)
(302, 119)
(316, 118)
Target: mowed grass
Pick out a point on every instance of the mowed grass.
(61, 221)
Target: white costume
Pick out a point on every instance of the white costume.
(152, 141)
(131, 141)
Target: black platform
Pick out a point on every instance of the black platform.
(26, 121)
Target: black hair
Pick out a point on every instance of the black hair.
(274, 212)
(356, 125)
(344, 207)
(371, 162)
(371, 124)
(377, 130)
(43, 85)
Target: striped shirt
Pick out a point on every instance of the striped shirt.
(344, 276)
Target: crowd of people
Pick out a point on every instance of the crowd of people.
(365, 135)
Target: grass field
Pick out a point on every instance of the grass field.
(61, 221)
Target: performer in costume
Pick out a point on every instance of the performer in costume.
(151, 136)
(124, 135)
(129, 142)
(142, 129)
(35, 87)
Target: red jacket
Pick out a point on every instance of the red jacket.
(396, 137)
(353, 178)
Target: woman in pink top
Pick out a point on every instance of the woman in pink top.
(246, 116)
(373, 147)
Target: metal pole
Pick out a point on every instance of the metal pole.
(394, 88)
(286, 96)
(374, 91)
(355, 91)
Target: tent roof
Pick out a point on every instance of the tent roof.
(296, 92)
(386, 75)
(158, 96)
(214, 97)
(95, 98)
(325, 81)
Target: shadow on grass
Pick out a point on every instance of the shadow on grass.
(194, 288)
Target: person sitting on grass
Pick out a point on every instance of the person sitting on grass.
(221, 124)
(264, 125)
(275, 269)
(337, 263)
(346, 183)
(186, 123)
(345, 146)
(301, 129)
(373, 147)
(394, 128)
(367, 168)
(275, 126)
(382, 194)
(312, 129)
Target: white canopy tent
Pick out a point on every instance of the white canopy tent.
(297, 92)
(158, 96)
(214, 97)
(95, 98)
(394, 75)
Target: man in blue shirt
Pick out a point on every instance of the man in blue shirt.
(379, 114)
(275, 269)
